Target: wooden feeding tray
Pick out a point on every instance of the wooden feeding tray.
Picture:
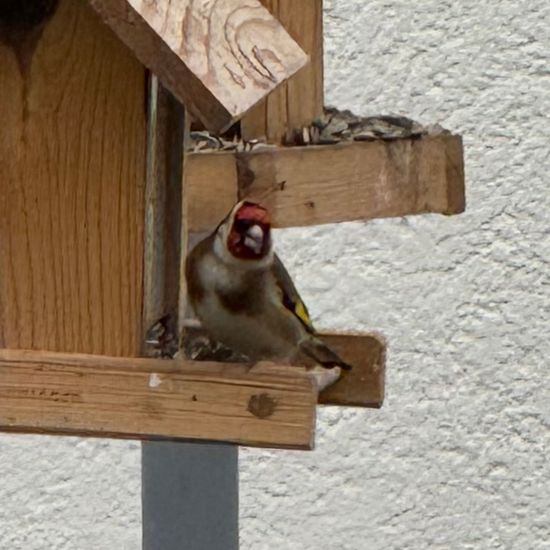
(148, 398)
(95, 216)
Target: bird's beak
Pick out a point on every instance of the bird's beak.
(254, 238)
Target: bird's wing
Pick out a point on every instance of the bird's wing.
(290, 297)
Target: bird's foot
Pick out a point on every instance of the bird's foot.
(323, 377)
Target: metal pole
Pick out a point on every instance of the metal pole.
(190, 496)
(190, 492)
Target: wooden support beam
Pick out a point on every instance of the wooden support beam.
(218, 58)
(144, 398)
(330, 183)
(363, 386)
(300, 100)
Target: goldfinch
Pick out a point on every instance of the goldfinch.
(244, 297)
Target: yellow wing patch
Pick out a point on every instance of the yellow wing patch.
(289, 295)
(301, 312)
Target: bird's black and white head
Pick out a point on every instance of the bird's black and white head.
(245, 235)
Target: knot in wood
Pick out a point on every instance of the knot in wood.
(262, 405)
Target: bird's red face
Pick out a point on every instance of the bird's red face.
(250, 234)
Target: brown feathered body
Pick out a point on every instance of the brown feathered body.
(245, 298)
(230, 300)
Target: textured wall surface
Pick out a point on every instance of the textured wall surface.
(458, 458)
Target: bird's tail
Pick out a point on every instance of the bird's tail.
(317, 350)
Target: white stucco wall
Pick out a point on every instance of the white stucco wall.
(458, 458)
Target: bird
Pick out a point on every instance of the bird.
(244, 297)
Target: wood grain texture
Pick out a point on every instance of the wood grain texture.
(364, 385)
(218, 58)
(299, 101)
(104, 396)
(72, 151)
(211, 184)
(332, 183)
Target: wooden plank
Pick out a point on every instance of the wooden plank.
(299, 101)
(331, 183)
(218, 58)
(364, 385)
(146, 398)
(211, 185)
(305, 91)
(72, 152)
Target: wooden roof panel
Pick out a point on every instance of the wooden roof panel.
(218, 58)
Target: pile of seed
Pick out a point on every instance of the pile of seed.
(333, 127)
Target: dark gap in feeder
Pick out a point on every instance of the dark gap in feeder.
(21, 26)
(173, 114)
(27, 14)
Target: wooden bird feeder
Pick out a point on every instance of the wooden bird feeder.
(99, 198)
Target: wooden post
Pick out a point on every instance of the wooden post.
(189, 490)
(300, 100)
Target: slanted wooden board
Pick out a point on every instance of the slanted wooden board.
(146, 398)
(330, 183)
(299, 101)
(219, 58)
